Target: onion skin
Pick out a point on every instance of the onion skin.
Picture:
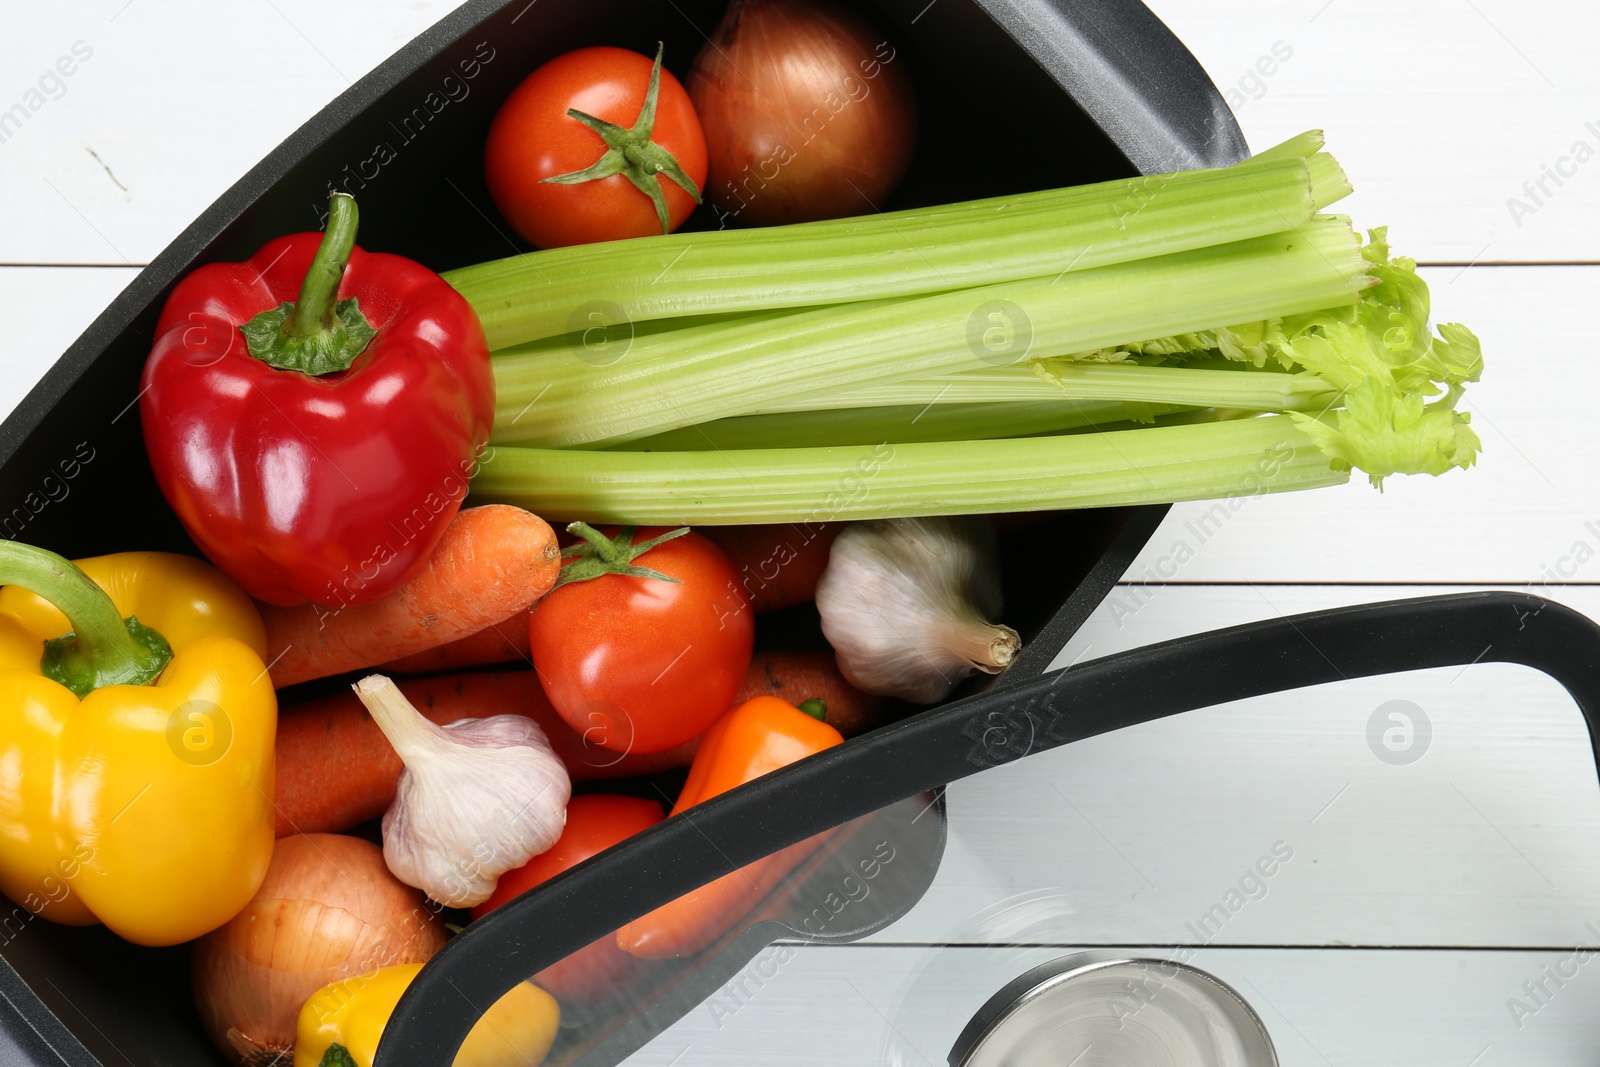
(328, 909)
(807, 112)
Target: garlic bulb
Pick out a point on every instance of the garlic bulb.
(905, 603)
(478, 797)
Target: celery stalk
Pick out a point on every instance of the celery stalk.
(1234, 459)
(917, 422)
(680, 378)
(907, 253)
(1252, 390)
(1014, 384)
(865, 384)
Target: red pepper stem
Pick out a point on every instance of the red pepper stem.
(318, 333)
(313, 312)
(103, 647)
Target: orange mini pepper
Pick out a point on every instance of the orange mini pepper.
(754, 738)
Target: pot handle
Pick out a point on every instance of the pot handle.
(1162, 110)
(945, 744)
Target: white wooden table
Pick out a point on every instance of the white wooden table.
(1424, 899)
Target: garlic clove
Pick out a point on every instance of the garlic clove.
(905, 605)
(477, 798)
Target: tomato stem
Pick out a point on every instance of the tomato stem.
(604, 548)
(599, 554)
(633, 153)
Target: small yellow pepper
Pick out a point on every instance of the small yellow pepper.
(136, 742)
(349, 1016)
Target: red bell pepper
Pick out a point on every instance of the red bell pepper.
(314, 414)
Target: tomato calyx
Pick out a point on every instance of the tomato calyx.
(633, 153)
(317, 334)
(599, 554)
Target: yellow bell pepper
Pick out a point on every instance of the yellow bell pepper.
(348, 1016)
(137, 724)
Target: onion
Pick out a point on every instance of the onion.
(328, 909)
(807, 112)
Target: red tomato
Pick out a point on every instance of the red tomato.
(533, 138)
(639, 664)
(595, 822)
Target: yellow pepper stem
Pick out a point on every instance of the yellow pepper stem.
(103, 648)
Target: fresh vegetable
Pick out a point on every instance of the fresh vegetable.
(1194, 384)
(931, 420)
(477, 798)
(906, 605)
(749, 364)
(1161, 463)
(596, 145)
(595, 822)
(755, 738)
(1265, 348)
(505, 642)
(808, 113)
(337, 770)
(778, 565)
(328, 909)
(136, 759)
(314, 414)
(811, 674)
(526, 298)
(645, 639)
(491, 565)
(1377, 357)
(341, 1023)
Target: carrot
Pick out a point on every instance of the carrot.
(504, 643)
(778, 565)
(336, 769)
(797, 676)
(493, 562)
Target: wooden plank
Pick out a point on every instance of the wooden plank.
(166, 106)
(42, 311)
(1323, 1008)
(1441, 110)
